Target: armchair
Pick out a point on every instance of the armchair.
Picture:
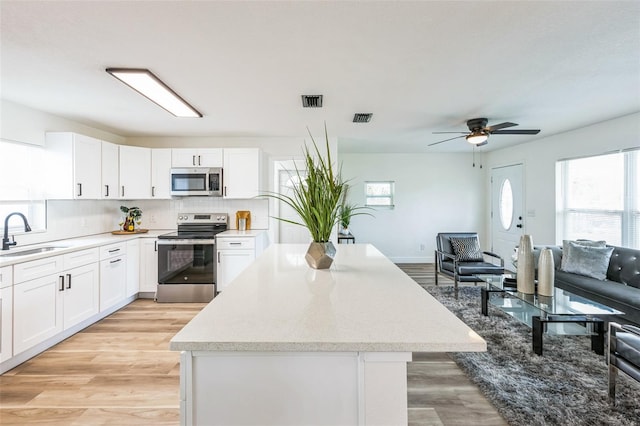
(623, 354)
(458, 256)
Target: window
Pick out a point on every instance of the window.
(21, 185)
(599, 198)
(379, 194)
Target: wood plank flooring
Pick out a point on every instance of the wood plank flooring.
(119, 371)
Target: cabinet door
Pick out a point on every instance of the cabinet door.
(133, 268)
(87, 166)
(149, 266)
(37, 311)
(192, 157)
(135, 172)
(161, 173)
(81, 294)
(241, 172)
(230, 264)
(6, 323)
(110, 172)
(113, 281)
(209, 157)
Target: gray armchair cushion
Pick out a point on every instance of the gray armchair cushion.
(467, 249)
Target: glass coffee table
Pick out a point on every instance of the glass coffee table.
(564, 313)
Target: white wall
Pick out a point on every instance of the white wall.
(539, 158)
(433, 193)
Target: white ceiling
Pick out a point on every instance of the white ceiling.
(418, 67)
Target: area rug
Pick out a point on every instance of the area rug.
(565, 386)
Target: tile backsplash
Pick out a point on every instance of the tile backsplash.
(75, 218)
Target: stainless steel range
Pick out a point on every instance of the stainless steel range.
(186, 258)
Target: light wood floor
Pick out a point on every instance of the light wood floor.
(119, 371)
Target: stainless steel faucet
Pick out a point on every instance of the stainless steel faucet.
(5, 241)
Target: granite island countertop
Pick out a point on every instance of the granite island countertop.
(362, 303)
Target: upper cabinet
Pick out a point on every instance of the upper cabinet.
(161, 173)
(109, 170)
(74, 164)
(196, 157)
(242, 171)
(135, 172)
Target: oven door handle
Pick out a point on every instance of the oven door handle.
(169, 242)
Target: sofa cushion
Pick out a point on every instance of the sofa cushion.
(586, 243)
(610, 293)
(467, 249)
(586, 260)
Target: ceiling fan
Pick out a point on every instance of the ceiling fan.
(479, 132)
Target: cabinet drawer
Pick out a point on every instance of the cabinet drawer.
(113, 250)
(80, 258)
(6, 276)
(235, 243)
(37, 268)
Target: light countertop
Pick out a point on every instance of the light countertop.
(362, 303)
(236, 233)
(72, 244)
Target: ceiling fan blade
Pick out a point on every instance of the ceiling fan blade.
(446, 140)
(441, 133)
(516, 132)
(500, 126)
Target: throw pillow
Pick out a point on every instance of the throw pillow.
(586, 243)
(589, 261)
(466, 249)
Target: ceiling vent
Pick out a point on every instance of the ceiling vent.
(312, 101)
(361, 117)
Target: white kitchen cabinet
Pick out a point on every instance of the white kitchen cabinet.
(133, 268)
(161, 173)
(113, 275)
(110, 173)
(53, 294)
(74, 165)
(37, 311)
(194, 157)
(233, 256)
(149, 267)
(242, 172)
(81, 294)
(134, 172)
(6, 313)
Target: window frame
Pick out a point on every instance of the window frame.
(390, 197)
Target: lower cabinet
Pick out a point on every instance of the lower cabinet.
(148, 266)
(113, 275)
(37, 311)
(234, 255)
(6, 313)
(133, 268)
(50, 304)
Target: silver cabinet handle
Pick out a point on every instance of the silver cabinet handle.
(106, 187)
(218, 257)
(199, 163)
(115, 261)
(153, 191)
(68, 281)
(61, 281)
(193, 160)
(123, 190)
(114, 250)
(235, 244)
(79, 190)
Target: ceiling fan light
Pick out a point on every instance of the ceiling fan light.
(477, 138)
(148, 85)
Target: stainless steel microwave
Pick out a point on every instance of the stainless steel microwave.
(199, 181)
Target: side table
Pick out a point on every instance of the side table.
(347, 238)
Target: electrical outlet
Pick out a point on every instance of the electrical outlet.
(152, 219)
(422, 247)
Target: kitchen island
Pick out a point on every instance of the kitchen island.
(289, 345)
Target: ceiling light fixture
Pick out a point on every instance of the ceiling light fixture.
(477, 137)
(148, 85)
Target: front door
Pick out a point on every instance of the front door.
(507, 210)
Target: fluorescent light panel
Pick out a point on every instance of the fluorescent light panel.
(148, 85)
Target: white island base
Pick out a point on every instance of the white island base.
(318, 388)
(285, 344)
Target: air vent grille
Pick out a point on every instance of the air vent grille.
(361, 117)
(312, 101)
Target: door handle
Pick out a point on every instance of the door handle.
(61, 281)
(68, 281)
(519, 225)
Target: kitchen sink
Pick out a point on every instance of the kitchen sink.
(43, 249)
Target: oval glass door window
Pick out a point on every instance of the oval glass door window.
(506, 204)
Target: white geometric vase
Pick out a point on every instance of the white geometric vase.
(546, 273)
(525, 276)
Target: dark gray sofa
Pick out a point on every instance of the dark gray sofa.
(621, 290)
